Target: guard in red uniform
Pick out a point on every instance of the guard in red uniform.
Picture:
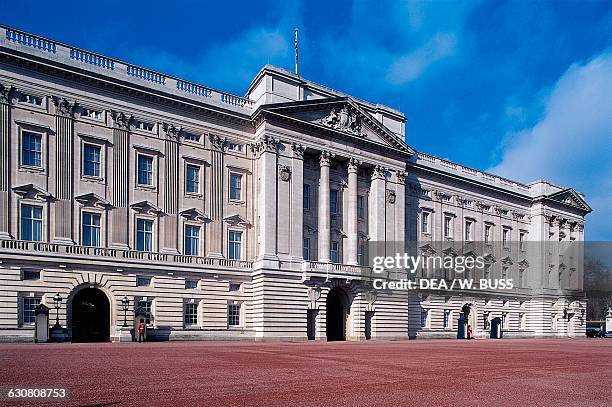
(141, 332)
(469, 332)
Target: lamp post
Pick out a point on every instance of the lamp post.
(125, 303)
(57, 301)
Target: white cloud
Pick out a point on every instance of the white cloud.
(409, 67)
(571, 145)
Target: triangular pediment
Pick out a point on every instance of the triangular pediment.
(92, 200)
(343, 116)
(572, 198)
(237, 220)
(427, 249)
(147, 208)
(194, 214)
(31, 191)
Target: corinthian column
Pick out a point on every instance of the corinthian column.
(5, 101)
(323, 233)
(377, 209)
(352, 242)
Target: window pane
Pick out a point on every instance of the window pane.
(31, 149)
(235, 186)
(144, 235)
(91, 164)
(306, 201)
(29, 305)
(333, 201)
(193, 178)
(145, 170)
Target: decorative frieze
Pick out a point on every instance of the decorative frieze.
(344, 119)
(379, 172)
(6, 93)
(171, 131)
(298, 150)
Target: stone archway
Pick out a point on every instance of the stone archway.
(337, 310)
(90, 316)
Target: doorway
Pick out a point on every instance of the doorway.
(90, 316)
(336, 315)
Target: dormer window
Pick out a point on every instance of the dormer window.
(191, 136)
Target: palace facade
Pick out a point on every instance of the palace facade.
(216, 216)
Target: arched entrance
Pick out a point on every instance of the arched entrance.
(336, 314)
(90, 316)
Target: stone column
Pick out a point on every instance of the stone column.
(376, 206)
(120, 190)
(64, 177)
(324, 228)
(5, 133)
(400, 211)
(215, 237)
(267, 169)
(297, 206)
(171, 188)
(352, 237)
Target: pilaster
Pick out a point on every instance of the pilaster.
(64, 176)
(266, 151)
(5, 133)
(215, 237)
(352, 236)
(171, 188)
(297, 205)
(119, 215)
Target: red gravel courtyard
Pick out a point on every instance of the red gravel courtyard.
(421, 372)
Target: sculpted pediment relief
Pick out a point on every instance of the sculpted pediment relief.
(571, 198)
(341, 115)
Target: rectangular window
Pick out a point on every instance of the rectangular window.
(233, 314)
(360, 207)
(31, 275)
(448, 226)
(234, 147)
(146, 305)
(447, 318)
(506, 237)
(487, 233)
(29, 308)
(30, 99)
(361, 255)
(425, 222)
(144, 235)
(193, 178)
(522, 241)
(334, 252)
(145, 170)
(191, 284)
(91, 160)
(191, 136)
(306, 249)
(234, 287)
(424, 318)
(143, 281)
(333, 201)
(31, 223)
(192, 240)
(468, 230)
(234, 245)
(191, 313)
(235, 187)
(306, 196)
(139, 124)
(91, 113)
(31, 149)
(91, 229)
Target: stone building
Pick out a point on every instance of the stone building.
(220, 216)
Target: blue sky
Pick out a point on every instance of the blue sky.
(523, 89)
